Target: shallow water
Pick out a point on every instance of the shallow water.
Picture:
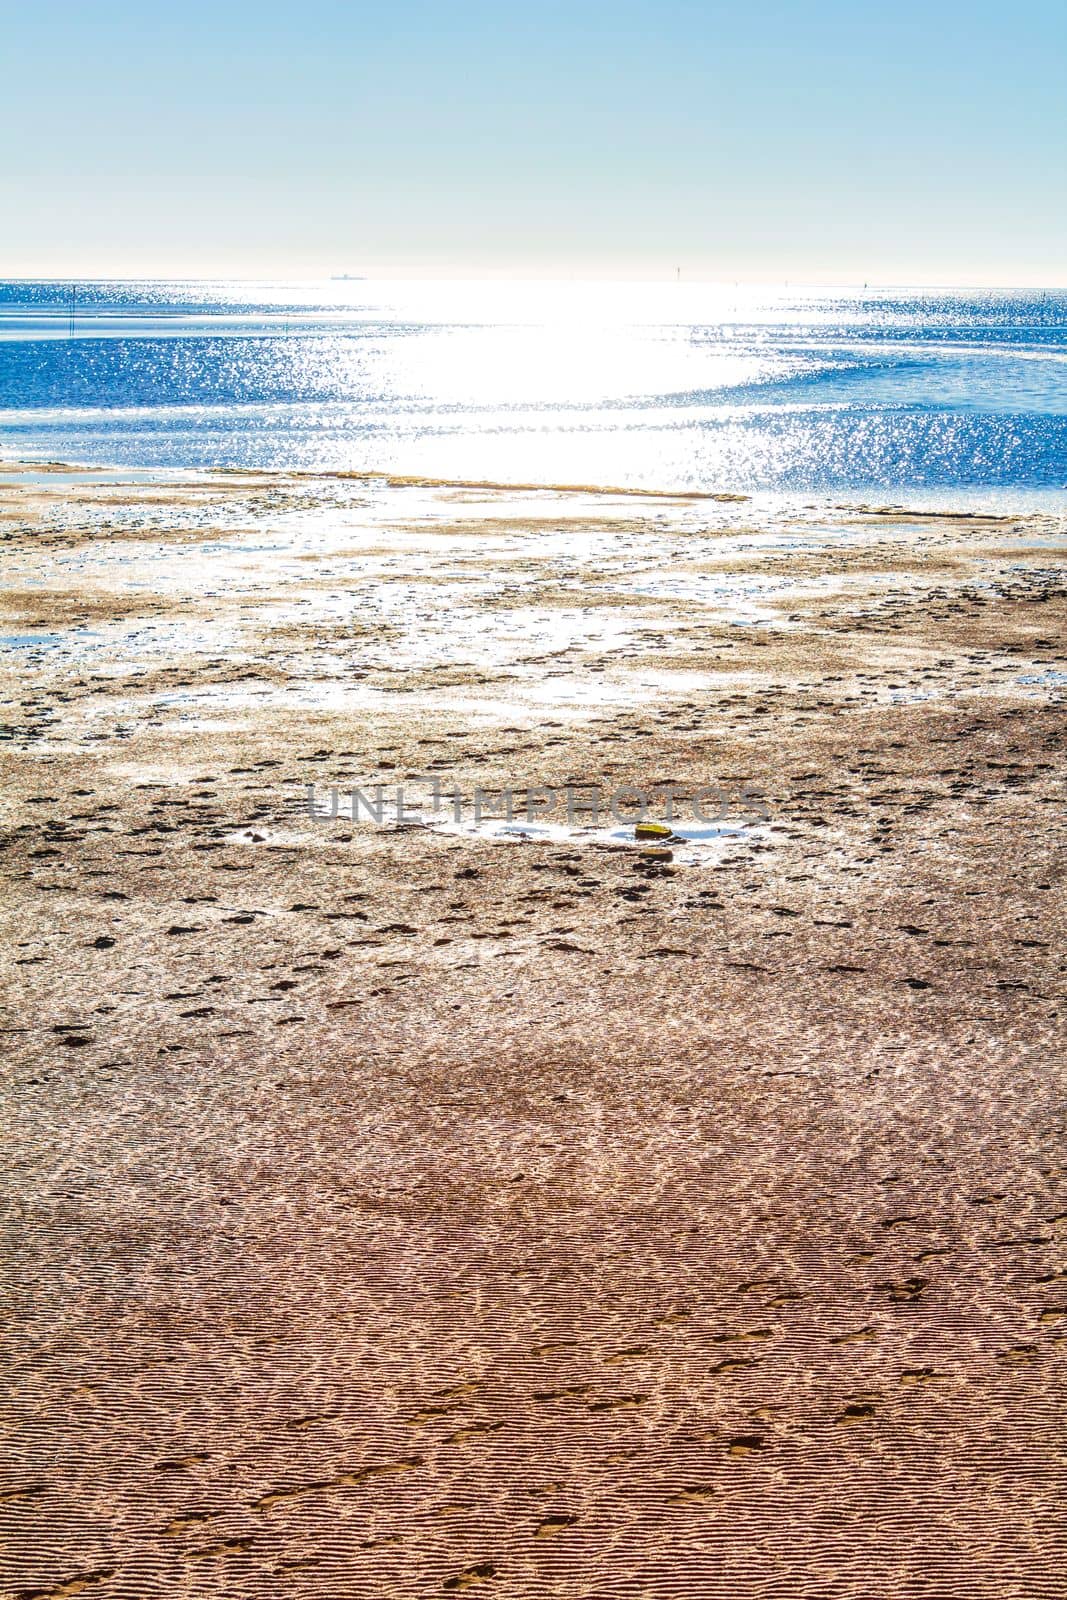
(888, 393)
(29, 641)
(690, 843)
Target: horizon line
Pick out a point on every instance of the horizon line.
(502, 276)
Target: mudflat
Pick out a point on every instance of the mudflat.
(425, 1202)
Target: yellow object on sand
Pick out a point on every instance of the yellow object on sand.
(652, 830)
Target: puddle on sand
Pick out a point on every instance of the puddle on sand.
(689, 844)
(1050, 677)
(29, 641)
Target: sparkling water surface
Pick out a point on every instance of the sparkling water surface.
(889, 393)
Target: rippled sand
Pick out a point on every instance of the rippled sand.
(393, 1211)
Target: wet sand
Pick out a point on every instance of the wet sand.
(399, 1210)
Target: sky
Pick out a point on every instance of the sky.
(815, 142)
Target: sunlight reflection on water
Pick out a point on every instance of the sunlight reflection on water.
(657, 386)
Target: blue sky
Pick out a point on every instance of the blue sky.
(817, 142)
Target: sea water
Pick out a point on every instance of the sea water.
(887, 394)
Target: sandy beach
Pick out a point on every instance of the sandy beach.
(401, 1208)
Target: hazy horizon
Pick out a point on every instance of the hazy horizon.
(459, 276)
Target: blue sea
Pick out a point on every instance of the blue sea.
(905, 394)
